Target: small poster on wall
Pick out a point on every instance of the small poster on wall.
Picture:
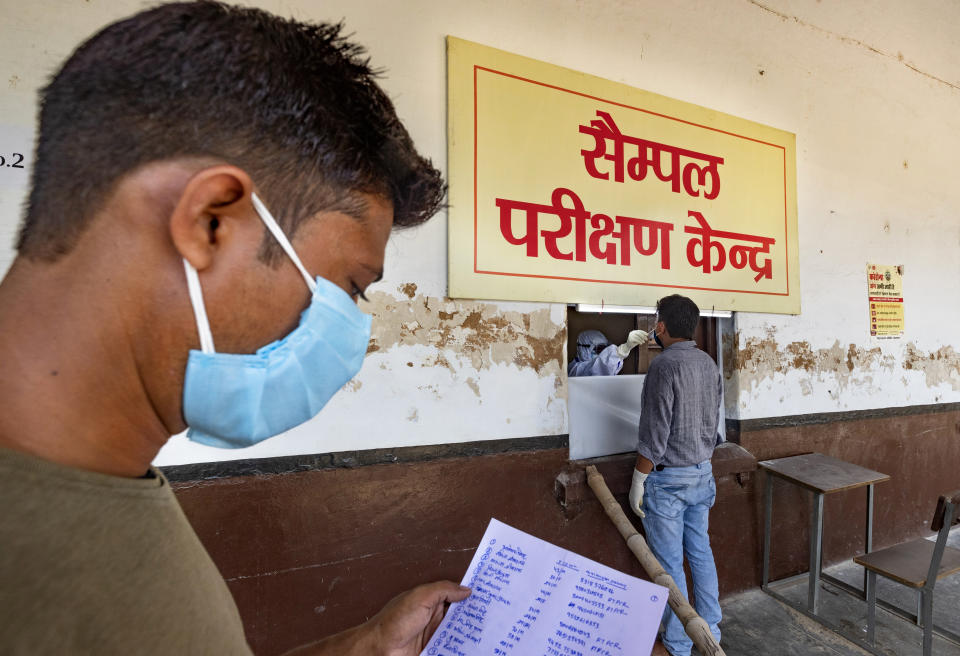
(885, 298)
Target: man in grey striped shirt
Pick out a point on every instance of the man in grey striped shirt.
(673, 487)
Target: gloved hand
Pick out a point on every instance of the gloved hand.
(634, 339)
(636, 493)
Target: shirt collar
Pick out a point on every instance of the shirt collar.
(687, 343)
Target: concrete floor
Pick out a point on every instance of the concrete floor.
(756, 624)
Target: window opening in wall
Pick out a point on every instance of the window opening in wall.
(604, 411)
(617, 325)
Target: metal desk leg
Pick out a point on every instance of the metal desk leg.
(869, 541)
(767, 516)
(816, 544)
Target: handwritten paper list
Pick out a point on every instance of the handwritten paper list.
(532, 597)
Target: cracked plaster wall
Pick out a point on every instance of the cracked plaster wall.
(870, 89)
(778, 378)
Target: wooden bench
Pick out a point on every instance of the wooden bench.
(918, 564)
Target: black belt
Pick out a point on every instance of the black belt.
(662, 467)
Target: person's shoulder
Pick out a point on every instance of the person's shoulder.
(706, 363)
(677, 356)
(698, 352)
(663, 363)
(674, 352)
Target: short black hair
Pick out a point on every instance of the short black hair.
(679, 314)
(295, 105)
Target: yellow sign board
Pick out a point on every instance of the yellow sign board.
(885, 296)
(565, 187)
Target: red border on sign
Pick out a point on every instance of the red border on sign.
(476, 269)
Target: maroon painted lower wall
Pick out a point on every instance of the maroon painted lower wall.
(920, 453)
(310, 553)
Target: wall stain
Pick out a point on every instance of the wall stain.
(433, 389)
(475, 386)
(748, 362)
(940, 367)
(479, 332)
(410, 289)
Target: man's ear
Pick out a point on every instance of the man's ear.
(206, 215)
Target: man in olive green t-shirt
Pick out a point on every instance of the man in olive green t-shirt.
(178, 151)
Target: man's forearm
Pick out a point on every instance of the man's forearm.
(644, 465)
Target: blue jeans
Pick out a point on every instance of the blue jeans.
(677, 502)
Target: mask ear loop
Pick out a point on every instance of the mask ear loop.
(281, 238)
(196, 292)
(199, 310)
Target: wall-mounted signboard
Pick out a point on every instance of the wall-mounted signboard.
(565, 187)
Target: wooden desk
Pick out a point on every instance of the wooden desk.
(821, 475)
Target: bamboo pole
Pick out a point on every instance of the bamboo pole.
(693, 624)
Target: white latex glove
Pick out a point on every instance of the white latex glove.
(636, 493)
(634, 339)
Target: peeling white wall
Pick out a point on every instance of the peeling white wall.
(872, 90)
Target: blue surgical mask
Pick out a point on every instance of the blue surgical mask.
(233, 401)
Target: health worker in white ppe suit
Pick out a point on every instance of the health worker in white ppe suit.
(596, 356)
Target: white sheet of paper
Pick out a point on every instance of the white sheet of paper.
(531, 597)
